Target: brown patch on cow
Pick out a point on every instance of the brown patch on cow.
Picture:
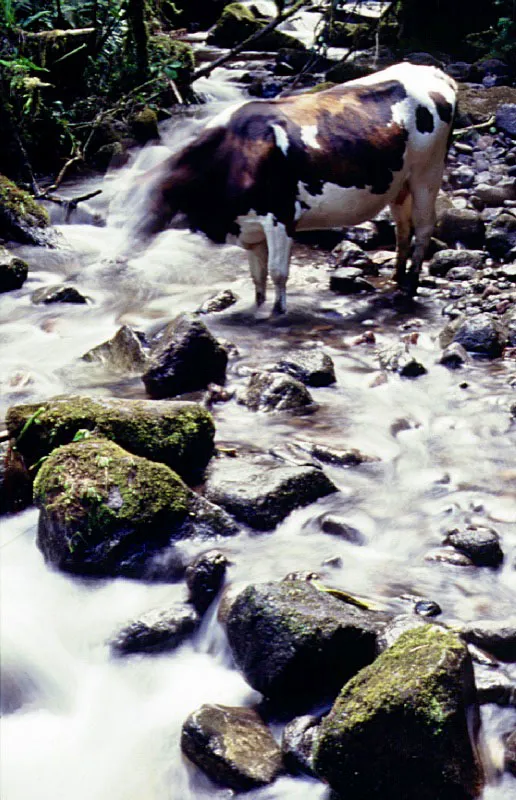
(443, 107)
(402, 194)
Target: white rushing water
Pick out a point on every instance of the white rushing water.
(81, 725)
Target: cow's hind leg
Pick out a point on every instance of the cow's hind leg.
(424, 192)
(401, 210)
(258, 255)
(279, 244)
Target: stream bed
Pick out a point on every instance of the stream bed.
(84, 726)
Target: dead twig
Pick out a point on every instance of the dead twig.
(480, 126)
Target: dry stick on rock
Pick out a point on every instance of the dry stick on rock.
(205, 71)
(480, 126)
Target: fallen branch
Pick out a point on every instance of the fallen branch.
(205, 71)
(480, 126)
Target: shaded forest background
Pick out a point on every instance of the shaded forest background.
(76, 76)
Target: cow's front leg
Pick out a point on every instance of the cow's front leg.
(257, 255)
(279, 244)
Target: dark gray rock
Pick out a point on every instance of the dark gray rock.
(510, 753)
(496, 636)
(501, 235)
(349, 280)
(506, 118)
(427, 608)
(337, 526)
(482, 335)
(60, 293)
(15, 480)
(125, 352)
(461, 226)
(449, 555)
(461, 274)
(400, 727)
(13, 272)
(232, 746)
(495, 196)
(205, 577)
(364, 235)
(187, 358)
(311, 367)
(493, 684)
(396, 627)
(399, 359)
(261, 491)
(157, 631)
(480, 544)
(218, 302)
(349, 254)
(509, 320)
(462, 178)
(454, 356)
(298, 645)
(339, 457)
(297, 744)
(275, 391)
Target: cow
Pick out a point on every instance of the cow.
(265, 169)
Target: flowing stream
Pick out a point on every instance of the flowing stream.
(81, 725)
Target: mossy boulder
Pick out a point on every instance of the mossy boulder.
(13, 271)
(232, 746)
(178, 434)
(144, 125)
(105, 511)
(296, 644)
(237, 23)
(22, 219)
(400, 727)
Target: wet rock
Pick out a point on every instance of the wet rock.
(205, 577)
(365, 235)
(157, 631)
(125, 352)
(311, 367)
(501, 235)
(486, 68)
(274, 391)
(110, 155)
(461, 226)
(13, 271)
(427, 608)
(506, 118)
(297, 744)
(349, 280)
(339, 457)
(449, 555)
(232, 746)
(461, 274)
(396, 627)
(510, 754)
(349, 254)
(482, 335)
(462, 178)
(454, 356)
(144, 126)
(496, 636)
(187, 358)
(22, 219)
(406, 714)
(261, 491)
(509, 320)
(218, 302)
(104, 511)
(337, 526)
(15, 481)
(179, 434)
(297, 645)
(60, 293)
(480, 544)
(399, 359)
(496, 196)
(494, 685)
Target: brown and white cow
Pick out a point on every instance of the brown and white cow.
(267, 168)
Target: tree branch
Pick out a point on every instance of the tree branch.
(205, 71)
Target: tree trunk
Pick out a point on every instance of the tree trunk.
(138, 33)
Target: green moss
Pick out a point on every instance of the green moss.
(177, 434)
(94, 488)
(22, 204)
(237, 23)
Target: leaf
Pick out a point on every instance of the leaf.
(81, 435)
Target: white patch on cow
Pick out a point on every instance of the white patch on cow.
(224, 116)
(309, 136)
(281, 137)
(401, 113)
(337, 207)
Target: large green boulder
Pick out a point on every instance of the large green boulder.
(22, 219)
(401, 727)
(105, 511)
(178, 434)
(237, 23)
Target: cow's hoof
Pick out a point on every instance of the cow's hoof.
(408, 286)
(278, 310)
(260, 299)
